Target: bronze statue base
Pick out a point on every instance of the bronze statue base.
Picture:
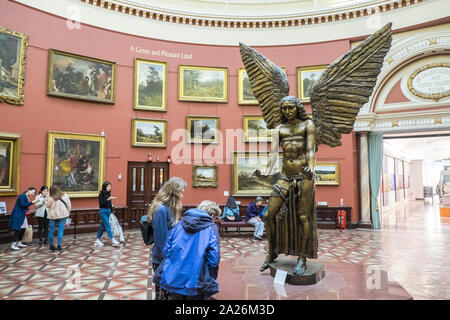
(315, 271)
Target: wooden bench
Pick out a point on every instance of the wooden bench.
(233, 224)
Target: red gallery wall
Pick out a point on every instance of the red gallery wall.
(42, 113)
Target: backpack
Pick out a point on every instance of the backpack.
(146, 231)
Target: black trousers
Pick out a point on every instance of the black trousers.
(43, 227)
(18, 235)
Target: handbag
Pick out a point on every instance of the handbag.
(28, 235)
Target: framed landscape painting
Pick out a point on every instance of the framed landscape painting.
(204, 176)
(79, 77)
(245, 182)
(76, 163)
(327, 173)
(255, 129)
(149, 133)
(202, 129)
(13, 62)
(202, 84)
(9, 163)
(150, 85)
(245, 91)
(307, 77)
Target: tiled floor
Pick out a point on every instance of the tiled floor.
(413, 247)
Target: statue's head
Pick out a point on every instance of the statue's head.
(288, 104)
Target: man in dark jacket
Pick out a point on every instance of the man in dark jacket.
(253, 217)
(191, 256)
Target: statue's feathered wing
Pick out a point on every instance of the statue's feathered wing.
(269, 83)
(346, 85)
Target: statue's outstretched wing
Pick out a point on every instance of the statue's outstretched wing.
(269, 83)
(346, 85)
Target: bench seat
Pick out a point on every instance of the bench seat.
(233, 224)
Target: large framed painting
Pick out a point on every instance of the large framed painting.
(149, 133)
(76, 163)
(202, 129)
(244, 181)
(307, 77)
(13, 62)
(245, 91)
(327, 173)
(204, 176)
(150, 85)
(78, 77)
(202, 84)
(9, 163)
(255, 129)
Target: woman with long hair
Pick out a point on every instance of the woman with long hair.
(41, 214)
(18, 220)
(231, 211)
(164, 212)
(104, 200)
(59, 207)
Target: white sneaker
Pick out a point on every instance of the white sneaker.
(21, 245)
(115, 243)
(122, 239)
(14, 247)
(99, 243)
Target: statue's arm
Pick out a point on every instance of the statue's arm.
(273, 156)
(310, 145)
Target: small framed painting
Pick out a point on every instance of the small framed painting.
(149, 133)
(327, 173)
(82, 78)
(307, 77)
(255, 129)
(202, 129)
(204, 176)
(245, 91)
(202, 84)
(13, 62)
(9, 163)
(150, 85)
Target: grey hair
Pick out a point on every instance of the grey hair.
(210, 207)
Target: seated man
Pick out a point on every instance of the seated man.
(254, 217)
(191, 256)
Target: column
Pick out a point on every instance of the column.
(365, 221)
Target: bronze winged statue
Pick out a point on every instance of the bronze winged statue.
(344, 87)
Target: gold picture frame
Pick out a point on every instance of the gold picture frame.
(244, 165)
(202, 84)
(76, 163)
(327, 173)
(149, 133)
(198, 129)
(79, 77)
(10, 148)
(150, 85)
(13, 60)
(307, 77)
(204, 176)
(245, 92)
(255, 129)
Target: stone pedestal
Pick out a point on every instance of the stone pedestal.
(315, 271)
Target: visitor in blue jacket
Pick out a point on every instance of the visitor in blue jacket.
(253, 217)
(191, 256)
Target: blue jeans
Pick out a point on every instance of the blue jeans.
(259, 227)
(104, 225)
(52, 224)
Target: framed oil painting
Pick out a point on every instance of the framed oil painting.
(13, 63)
(307, 77)
(78, 77)
(245, 91)
(244, 182)
(76, 163)
(204, 176)
(202, 84)
(9, 163)
(149, 133)
(202, 129)
(255, 129)
(327, 173)
(150, 85)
